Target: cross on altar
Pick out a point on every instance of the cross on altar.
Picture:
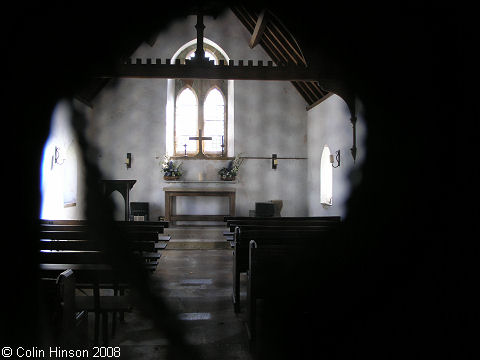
(200, 138)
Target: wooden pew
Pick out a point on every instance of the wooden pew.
(142, 243)
(101, 305)
(266, 233)
(320, 220)
(234, 221)
(284, 218)
(150, 226)
(164, 224)
(279, 225)
(62, 250)
(67, 326)
(276, 275)
(86, 245)
(134, 238)
(74, 322)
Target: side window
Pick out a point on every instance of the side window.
(326, 178)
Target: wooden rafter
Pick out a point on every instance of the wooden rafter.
(300, 86)
(319, 101)
(282, 47)
(267, 39)
(258, 30)
(295, 49)
(315, 90)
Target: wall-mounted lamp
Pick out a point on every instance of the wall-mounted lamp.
(335, 158)
(128, 161)
(274, 161)
(57, 156)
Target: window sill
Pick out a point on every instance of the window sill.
(201, 181)
(206, 157)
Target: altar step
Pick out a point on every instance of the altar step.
(205, 233)
(209, 238)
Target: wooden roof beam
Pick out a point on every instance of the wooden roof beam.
(291, 43)
(319, 101)
(192, 70)
(259, 30)
(301, 89)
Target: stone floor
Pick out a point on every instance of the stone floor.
(196, 284)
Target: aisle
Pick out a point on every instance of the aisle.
(198, 286)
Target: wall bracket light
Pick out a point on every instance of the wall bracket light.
(57, 156)
(336, 158)
(128, 161)
(274, 161)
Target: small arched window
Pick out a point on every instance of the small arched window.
(326, 178)
(186, 121)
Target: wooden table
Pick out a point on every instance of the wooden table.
(171, 193)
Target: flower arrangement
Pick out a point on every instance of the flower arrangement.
(229, 172)
(171, 169)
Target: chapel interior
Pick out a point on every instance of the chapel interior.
(329, 110)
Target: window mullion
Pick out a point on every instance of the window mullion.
(200, 116)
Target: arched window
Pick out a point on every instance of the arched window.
(214, 121)
(208, 54)
(326, 178)
(186, 121)
(212, 102)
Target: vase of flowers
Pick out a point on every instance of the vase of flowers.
(172, 170)
(230, 172)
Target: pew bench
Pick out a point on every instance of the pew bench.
(273, 276)
(101, 305)
(72, 249)
(267, 234)
(234, 221)
(139, 241)
(87, 257)
(68, 327)
(129, 228)
(164, 224)
(87, 245)
(232, 224)
(282, 218)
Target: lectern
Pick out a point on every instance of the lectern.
(123, 187)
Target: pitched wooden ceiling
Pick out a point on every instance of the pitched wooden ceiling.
(268, 32)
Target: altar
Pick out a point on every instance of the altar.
(172, 192)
